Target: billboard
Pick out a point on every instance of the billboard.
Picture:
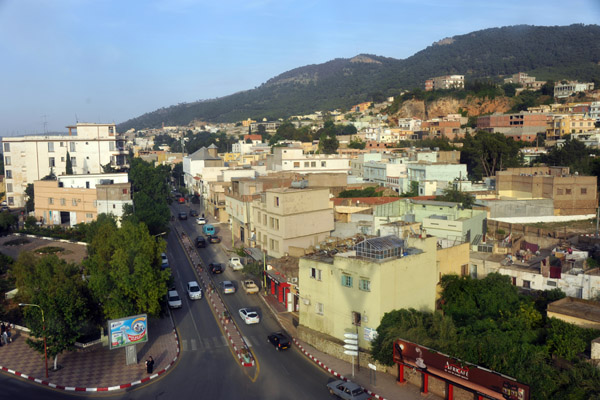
(459, 372)
(127, 331)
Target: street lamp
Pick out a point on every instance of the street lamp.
(44, 329)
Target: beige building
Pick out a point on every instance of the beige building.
(31, 158)
(287, 220)
(570, 123)
(350, 292)
(572, 194)
(74, 199)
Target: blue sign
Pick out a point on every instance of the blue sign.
(127, 331)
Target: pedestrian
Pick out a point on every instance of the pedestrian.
(2, 330)
(8, 333)
(149, 365)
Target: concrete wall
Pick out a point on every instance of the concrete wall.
(520, 208)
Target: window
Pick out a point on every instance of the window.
(567, 191)
(364, 285)
(527, 284)
(73, 162)
(111, 130)
(259, 219)
(50, 147)
(6, 147)
(72, 147)
(551, 283)
(306, 164)
(276, 224)
(50, 200)
(62, 159)
(583, 190)
(74, 202)
(8, 174)
(323, 163)
(313, 164)
(125, 191)
(11, 201)
(315, 274)
(7, 160)
(559, 191)
(276, 201)
(51, 162)
(319, 308)
(464, 270)
(265, 219)
(296, 164)
(9, 187)
(347, 281)
(271, 223)
(62, 202)
(274, 245)
(89, 215)
(111, 146)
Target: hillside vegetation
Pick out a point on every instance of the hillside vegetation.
(568, 52)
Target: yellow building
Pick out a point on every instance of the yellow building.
(567, 124)
(350, 292)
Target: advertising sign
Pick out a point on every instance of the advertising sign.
(127, 331)
(456, 371)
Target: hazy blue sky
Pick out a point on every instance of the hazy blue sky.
(111, 60)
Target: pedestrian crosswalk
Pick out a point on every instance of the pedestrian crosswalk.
(216, 342)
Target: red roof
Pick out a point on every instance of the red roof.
(252, 137)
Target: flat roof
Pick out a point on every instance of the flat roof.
(584, 309)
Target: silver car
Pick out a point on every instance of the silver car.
(228, 287)
(174, 299)
(194, 291)
(347, 390)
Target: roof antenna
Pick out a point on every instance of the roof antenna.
(76, 119)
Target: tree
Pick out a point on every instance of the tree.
(485, 153)
(456, 196)
(30, 203)
(356, 143)
(69, 166)
(124, 269)
(7, 220)
(573, 154)
(150, 193)
(58, 289)
(413, 191)
(328, 144)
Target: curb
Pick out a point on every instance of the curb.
(332, 372)
(97, 389)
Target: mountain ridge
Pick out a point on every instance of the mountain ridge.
(557, 52)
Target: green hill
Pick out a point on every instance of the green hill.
(556, 52)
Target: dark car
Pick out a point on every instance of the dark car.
(214, 239)
(279, 340)
(193, 213)
(183, 215)
(200, 241)
(348, 390)
(215, 268)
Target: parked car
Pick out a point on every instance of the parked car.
(215, 268)
(228, 287)
(235, 263)
(174, 299)
(193, 213)
(279, 340)
(200, 241)
(201, 220)
(214, 239)
(347, 390)
(164, 263)
(194, 291)
(182, 215)
(249, 316)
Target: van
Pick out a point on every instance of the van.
(208, 229)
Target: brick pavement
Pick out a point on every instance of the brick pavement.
(96, 368)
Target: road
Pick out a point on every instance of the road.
(207, 367)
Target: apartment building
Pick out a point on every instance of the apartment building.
(73, 199)
(30, 158)
(445, 82)
(351, 291)
(293, 159)
(566, 89)
(290, 220)
(595, 110)
(571, 194)
(357, 164)
(449, 128)
(522, 123)
(570, 123)
(528, 82)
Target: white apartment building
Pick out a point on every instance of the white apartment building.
(409, 124)
(30, 158)
(569, 88)
(294, 159)
(595, 110)
(379, 171)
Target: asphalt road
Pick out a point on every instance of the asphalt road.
(207, 367)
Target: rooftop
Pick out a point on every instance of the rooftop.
(579, 308)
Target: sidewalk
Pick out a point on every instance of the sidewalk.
(97, 368)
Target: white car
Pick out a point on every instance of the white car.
(201, 220)
(236, 263)
(174, 299)
(164, 260)
(194, 291)
(228, 287)
(249, 316)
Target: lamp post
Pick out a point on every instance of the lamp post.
(44, 329)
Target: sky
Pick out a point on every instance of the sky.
(103, 61)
